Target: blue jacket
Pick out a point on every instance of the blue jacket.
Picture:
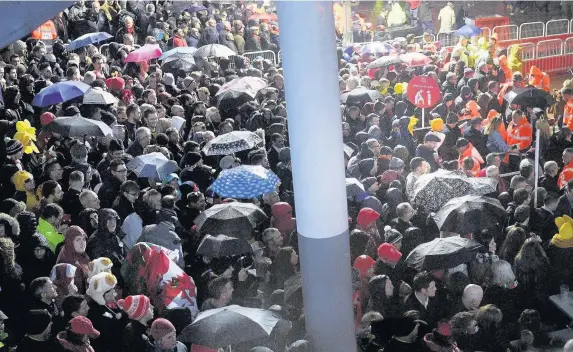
(495, 143)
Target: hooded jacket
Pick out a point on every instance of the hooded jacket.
(163, 233)
(69, 255)
(282, 219)
(514, 59)
(106, 244)
(30, 198)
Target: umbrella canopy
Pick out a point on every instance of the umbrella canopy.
(178, 52)
(152, 165)
(353, 187)
(468, 31)
(232, 99)
(59, 93)
(229, 325)
(376, 48)
(529, 97)
(360, 95)
(222, 246)
(195, 8)
(98, 96)
(469, 214)
(232, 219)
(78, 126)
(232, 142)
(415, 59)
(245, 181)
(214, 50)
(87, 39)
(385, 61)
(184, 63)
(264, 17)
(443, 253)
(248, 85)
(146, 52)
(432, 191)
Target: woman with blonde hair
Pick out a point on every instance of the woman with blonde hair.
(495, 142)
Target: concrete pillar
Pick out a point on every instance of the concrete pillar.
(314, 122)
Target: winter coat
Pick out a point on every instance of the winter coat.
(67, 345)
(50, 234)
(240, 44)
(495, 143)
(163, 233)
(123, 207)
(110, 325)
(253, 43)
(135, 337)
(209, 36)
(69, 255)
(105, 244)
(33, 267)
(192, 41)
(447, 18)
(108, 191)
(179, 348)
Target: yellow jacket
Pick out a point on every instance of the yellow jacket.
(514, 59)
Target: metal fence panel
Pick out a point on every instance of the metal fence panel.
(508, 32)
(555, 27)
(568, 46)
(527, 51)
(280, 56)
(531, 29)
(548, 48)
(447, 39)
(265, 54)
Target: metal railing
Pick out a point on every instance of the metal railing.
(548, 48)
(531, 30)
(447, 39)
(555, 27)
(507, 32)
(265, 54)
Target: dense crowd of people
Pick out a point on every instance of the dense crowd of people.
(99, 256)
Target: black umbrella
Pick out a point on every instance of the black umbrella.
(222, 246)
(231, 325)
(232, 99)
(385, 61)
(360, 95)
(353, 187)
(529, 97)
(78, 126)
(232, 219)
(443, 253)
(469, 214)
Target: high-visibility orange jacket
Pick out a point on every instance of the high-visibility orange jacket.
(568, 114)
(46, 31)
(471, 152)
(539, 79)
(520, 134)
(566, 175)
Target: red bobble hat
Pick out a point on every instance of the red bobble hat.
(367, 216)
(388, 252)
(363, 263)
(135, 306)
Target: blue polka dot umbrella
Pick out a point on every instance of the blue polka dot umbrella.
(245, 181)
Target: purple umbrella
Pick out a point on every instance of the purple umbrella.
(59, 93)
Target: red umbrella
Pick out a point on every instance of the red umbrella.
(415, 59)
(264, 17)
(146, 52)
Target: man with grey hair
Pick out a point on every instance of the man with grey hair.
(89, 199)
(89, 77)
(549, 178)
(177, 110)
(142, 140)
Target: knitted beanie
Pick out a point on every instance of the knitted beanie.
(135, 306)
(161, 327)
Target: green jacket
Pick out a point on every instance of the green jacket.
(50, 233)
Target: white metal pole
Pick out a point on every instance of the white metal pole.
(536, 166)
(314, 122)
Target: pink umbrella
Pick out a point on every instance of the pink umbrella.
(415, 59)
(146, 52)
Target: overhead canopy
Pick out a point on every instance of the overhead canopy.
(20, 18)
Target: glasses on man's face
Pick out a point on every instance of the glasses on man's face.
(121, 170)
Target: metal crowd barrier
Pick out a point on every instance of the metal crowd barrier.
(280, 56)
(447, 39)
(265, 54)
(508, 32)
(556, 27)
(531, 29)
(549, 48)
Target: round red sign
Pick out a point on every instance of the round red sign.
(423, 92)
